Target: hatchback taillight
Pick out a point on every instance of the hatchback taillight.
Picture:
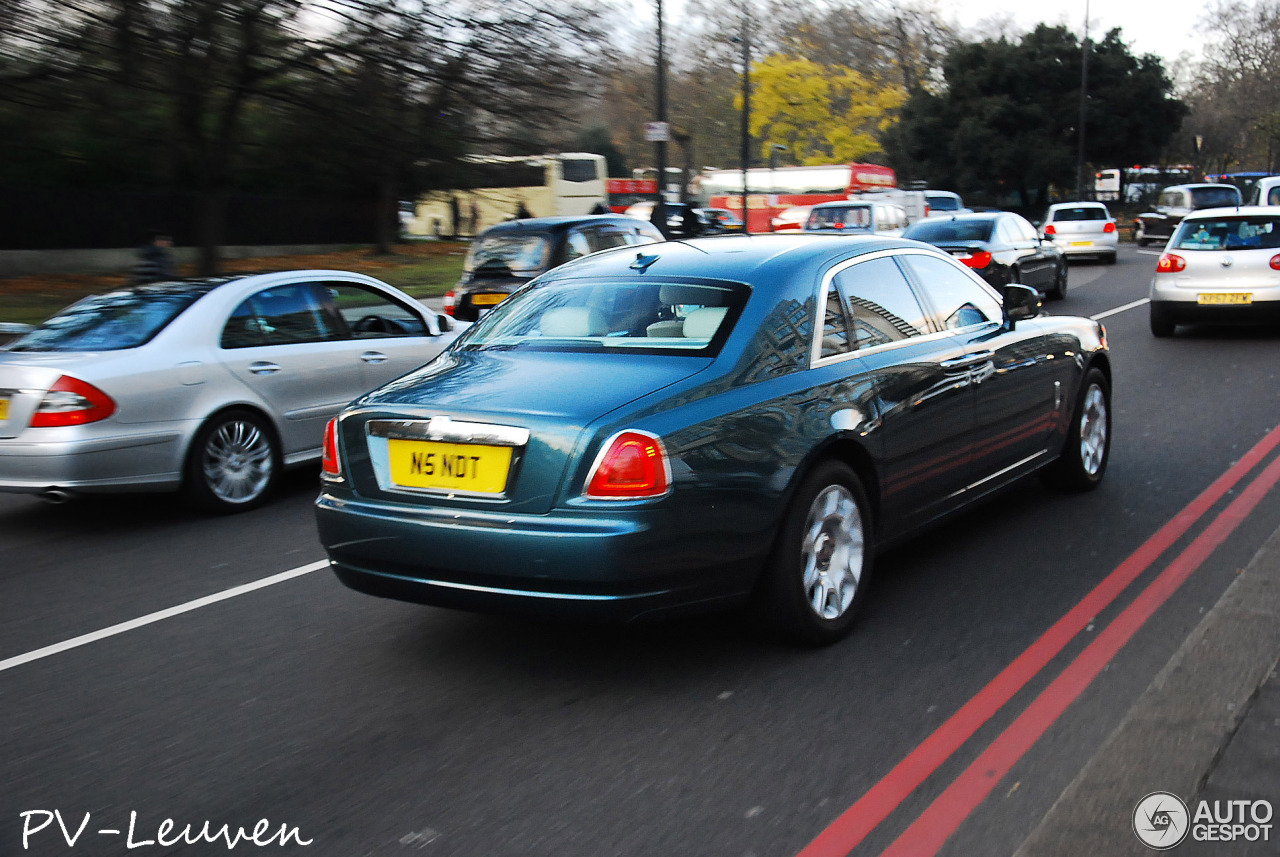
(329, 463)
(1110, 227)
(72, 402)
(1275, 263)
(632, 466)
(981, 259)
(1170, 264)
(450, 301)
(1050, 229)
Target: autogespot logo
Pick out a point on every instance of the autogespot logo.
(1161, 820)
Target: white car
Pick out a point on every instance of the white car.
(1082, 229)
(1266, 191)
(867, 218)
(209, 386)
(1221, 265)
(790, 218)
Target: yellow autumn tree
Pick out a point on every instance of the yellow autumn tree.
(822, 114)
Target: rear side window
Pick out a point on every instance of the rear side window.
(283, 315)
(880, 303)
(111, 322)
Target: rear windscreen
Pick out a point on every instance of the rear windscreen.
(840, 217)
(1214, 197)
(110, 322)
(1083, 212)
(942, 231)
(1229, 233)
(509, 253)
(607, 315)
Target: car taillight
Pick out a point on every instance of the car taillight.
(72, 402)
(329, 463)
(1170, 264)
(981, 259)
(632, 466)
(1110, 227)
(1050, 229)
(450, 301)
(1275, 263)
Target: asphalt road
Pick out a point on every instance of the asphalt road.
(379, 728)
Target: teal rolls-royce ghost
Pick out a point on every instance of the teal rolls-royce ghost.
(736, 421)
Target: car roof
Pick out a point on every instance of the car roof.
(1084, 202)
(558, 223)
(732, 257)
(1232, 211)
(1195, 185)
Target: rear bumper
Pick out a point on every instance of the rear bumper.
(1094, 247)
(615, 566)
(1191, 312)
(142, 462)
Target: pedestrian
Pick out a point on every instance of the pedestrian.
(522, 211)
(600, 208)
(690, 223)
(155, 260)
(475, 218)
(455, 228)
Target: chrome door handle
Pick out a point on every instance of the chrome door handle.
(972, 359)
(373, 357)
(262, 367)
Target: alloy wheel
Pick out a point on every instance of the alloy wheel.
(832, 552)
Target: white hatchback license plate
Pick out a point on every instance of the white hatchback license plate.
(1235, 298)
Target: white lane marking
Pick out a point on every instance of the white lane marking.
(1100, 316)
(168, 612)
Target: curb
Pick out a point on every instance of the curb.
(1175, 734)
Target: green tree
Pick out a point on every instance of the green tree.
(1006, 119)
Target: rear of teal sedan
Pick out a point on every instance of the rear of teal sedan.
(569, 456)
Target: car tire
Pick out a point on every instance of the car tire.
(233, 464)
(1084, 457)
(1059, 289)
(817, 576)
(1161, 324)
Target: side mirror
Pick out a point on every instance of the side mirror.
(444, 323)
(1020, 302)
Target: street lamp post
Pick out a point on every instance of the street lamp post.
(746, 107)
(660, 200)
(774, 150)
(1084, 98)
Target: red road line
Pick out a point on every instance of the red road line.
(928, 833)
(853, 825)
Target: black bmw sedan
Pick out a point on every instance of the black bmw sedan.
(1000, 246)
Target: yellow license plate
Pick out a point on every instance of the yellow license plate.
(1226, 298)
(467, 467)
(4, 408)
(487, 300)
(1081, 243)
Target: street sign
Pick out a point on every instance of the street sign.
(657, 132)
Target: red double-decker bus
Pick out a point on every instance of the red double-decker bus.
(771, 191)
(627, 192)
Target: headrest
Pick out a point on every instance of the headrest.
(703, 323)
(574, 321)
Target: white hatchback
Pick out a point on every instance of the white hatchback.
(1221, 265)
(1082, 229)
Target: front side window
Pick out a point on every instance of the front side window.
(1229, 233)
(281, 315)
(880, 301)
(958, 299)
(111, 322)
(370, 314)
(611, 316)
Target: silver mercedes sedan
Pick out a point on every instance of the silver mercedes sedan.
(207, 386)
